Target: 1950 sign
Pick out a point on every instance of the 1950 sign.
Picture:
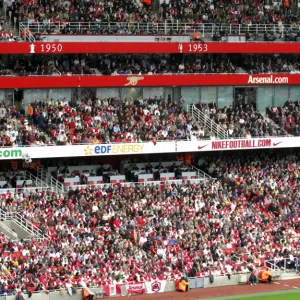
(45, 48)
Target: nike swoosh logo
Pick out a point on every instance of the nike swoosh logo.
(200, 147)
(276, 144)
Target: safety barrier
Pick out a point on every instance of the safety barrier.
(25, 190)
(282, 265)
(225, 280)
(203, 177)
(205, 121)
(167, 27)
(195, 283)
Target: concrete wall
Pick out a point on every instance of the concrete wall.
(196, 283)
(170, 287)
(222, 281)
(56, 295)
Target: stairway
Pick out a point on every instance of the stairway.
(37, 182)
(23, 28)
(9, 27)
(14, 225)
(11, 226)
(204, 121)
(200, 173)
(49, 180)
(10, 234)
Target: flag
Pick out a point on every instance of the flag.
(157, 286)
(110, 289)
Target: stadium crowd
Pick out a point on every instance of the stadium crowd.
(100, 121)
(67, 11)
(225, 12)
(242, 120)
(287, 116)
(134, 233)
(119, 65)
(148, 64)
(114, 120)
(141, 18)
(45, 65)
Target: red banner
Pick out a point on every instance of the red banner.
(148, 81)
(150, 47)
(136, 288)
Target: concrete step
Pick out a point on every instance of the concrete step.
(20, 231)
(9, 233)
(9, 27)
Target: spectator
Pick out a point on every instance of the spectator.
(252, 279)
(183, 285)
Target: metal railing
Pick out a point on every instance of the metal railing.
(146, 183)
(167, 28)
(285, 264)
(49, 180)
(20, 220)
(200, 173)
(25, 33)
(25, 190)
(206, 122)
(37, 182)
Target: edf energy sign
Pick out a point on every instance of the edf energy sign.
(113, 149)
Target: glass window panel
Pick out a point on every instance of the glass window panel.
(59, 94)
(152, 92)
(168, 91)
(294, 92)
(3, 94)
(191, 95)
(281, 94)
(208, 94)
(133, 93)
(32, 95)
(225, 96)
(108, 93)
(264, 98)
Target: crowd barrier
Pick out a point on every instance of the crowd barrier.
(127, 290)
